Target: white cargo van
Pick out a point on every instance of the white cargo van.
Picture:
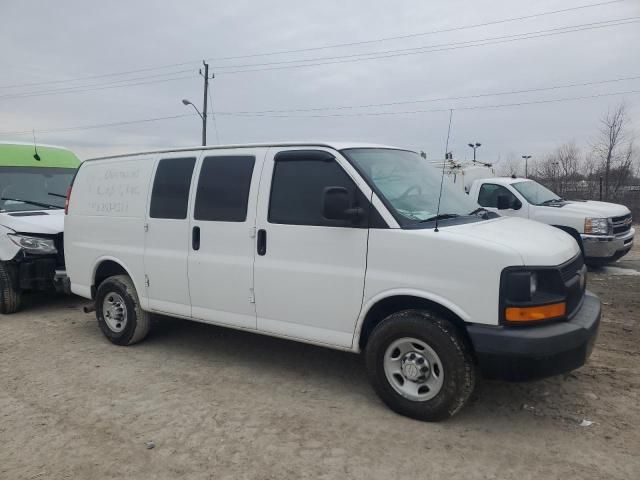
(333, 244)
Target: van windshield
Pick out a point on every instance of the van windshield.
(410, 185)
(33, 188)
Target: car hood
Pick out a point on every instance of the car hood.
(49, 222)
(536, 243)
(591, 208)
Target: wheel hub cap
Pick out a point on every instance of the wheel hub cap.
(114, 312)
(413, 369)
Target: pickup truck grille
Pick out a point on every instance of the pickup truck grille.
(621, 225)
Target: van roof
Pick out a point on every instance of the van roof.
(334, 145)
(22, 155)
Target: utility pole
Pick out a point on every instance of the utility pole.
(203, 115)
(204, 100)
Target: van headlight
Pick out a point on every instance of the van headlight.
(597, 226)
(35, 245)
(528, 296)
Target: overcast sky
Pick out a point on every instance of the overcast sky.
(47, 41)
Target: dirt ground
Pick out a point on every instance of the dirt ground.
(222, 404)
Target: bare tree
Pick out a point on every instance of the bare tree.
(560, 169)
(614, 151)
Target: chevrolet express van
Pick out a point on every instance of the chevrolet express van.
(336, 244)
(33, 187)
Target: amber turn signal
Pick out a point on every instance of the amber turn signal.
(533, 314)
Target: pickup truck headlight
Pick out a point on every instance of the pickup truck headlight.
(35, 245)
(597, 226)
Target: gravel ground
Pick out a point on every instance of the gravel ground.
(222, 404)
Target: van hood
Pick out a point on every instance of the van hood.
(536, 243)
(591, 208)
(48, 222)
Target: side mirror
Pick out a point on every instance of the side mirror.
(517, 204)
(503, 202)
(336, 205)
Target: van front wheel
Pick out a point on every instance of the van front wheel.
(10, 296)
(118, 311)
(420, 365)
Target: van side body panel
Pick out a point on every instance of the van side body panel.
(106, 221)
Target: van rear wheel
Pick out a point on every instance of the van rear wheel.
(420, 365)
(118, 311)
(10, 295)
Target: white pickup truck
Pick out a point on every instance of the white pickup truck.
(603, 230)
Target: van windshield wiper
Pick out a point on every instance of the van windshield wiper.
(482, 210)
(442, 216)
(31, 202)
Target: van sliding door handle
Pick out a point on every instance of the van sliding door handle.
(195, 238)
(262, 242)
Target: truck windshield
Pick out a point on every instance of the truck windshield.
(536, 193)
(33, 188)
(409, 185)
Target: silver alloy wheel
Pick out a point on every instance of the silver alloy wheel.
(114, 312)
(413, 369)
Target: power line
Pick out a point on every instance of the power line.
(411, 112)
(429, 49)
(323, 47)
(100, 125)
(364, 114)
(418, 34)
(45, 93)
(430, 100)
(339, 59)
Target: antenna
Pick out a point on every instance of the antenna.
(446, 153)
(35, 147)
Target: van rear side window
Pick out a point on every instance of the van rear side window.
(223, 188)
(170, 195)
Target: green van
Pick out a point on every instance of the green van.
(33, 185)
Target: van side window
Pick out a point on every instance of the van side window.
(223, 188)
(170, 194)
(299, 180)
(489, 193)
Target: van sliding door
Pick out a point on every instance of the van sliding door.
(221, 247)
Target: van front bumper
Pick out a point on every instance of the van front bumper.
(528, 353)
(607, 247)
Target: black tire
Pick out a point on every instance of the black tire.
(136, 326)
(10, 295)
(451, 348)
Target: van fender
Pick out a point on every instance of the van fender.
(142, 292)
(432, 297)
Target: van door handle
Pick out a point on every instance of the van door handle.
(195, 238)
(262, 242)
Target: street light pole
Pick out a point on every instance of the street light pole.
(474, 146)
(526, 165)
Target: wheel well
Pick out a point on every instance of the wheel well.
(387, 306)
(106, 269)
